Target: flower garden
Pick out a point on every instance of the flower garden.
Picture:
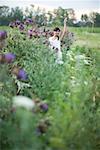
(44, 105)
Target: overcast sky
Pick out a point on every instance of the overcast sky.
(80, 6)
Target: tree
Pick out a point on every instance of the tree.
(97, 20)
(4, 11)
(71, 14)
(84, 17)
(7, 15)
(50, 17)
(59, 15)
(16, 14)
(92, 17)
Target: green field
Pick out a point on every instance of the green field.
(87, 37)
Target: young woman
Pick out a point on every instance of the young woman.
(55, 41)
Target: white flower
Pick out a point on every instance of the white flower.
(70, 56)
(72, 77)
(86, 62)
(85, 82)
(98, 79)
(68, 93)
(59, 62)
(22, 101)
(80, 57)
(73, 82)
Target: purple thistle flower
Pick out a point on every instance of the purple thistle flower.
(11, 24)
(22, 75)
(9, 57)
(51, 33)
(21, 27)
(17, 22)
(30, 33)
(3, 35)
(28, 21)
(44, 107)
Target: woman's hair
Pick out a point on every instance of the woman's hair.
(56, 29)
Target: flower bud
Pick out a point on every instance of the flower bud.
(9, 57)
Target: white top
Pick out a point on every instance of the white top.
(54, 43)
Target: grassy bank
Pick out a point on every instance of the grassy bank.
(88, 37)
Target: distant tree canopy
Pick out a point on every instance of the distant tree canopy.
(92, 20)
(41, 17)
(7, 15)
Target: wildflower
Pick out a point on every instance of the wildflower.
(21, 75)
(11, 24)
(3, 35)
(17, 22)
(30, 33)
(86, 62)
(21, 27)
(85, 82)
(51, 33)
(80, 57)
(23, 101)
(9, 57)
(28, 21)
(60, 62)
(44, 107)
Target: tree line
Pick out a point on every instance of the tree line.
(43, 18)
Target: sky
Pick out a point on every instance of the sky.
(80, 6)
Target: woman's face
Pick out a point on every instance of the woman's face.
(56, 33)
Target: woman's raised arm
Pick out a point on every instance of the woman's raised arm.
(64, 29)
